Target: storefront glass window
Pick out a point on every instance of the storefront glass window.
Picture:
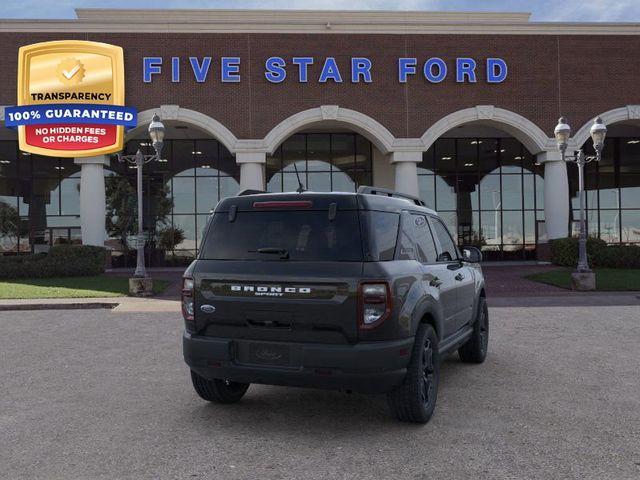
(612, 192)
(488, 190)
(325, 162)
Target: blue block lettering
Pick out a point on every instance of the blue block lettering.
(275, 69)
(406, 66)
(303, 66)
(496, 70)
(175, 69)
(230, 70)
(360, 67)
(428, 70)
(151, 66)
(330, 71)
(465, 67)
(200, 71)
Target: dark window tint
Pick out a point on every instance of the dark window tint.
(382, 234)
(307, 236)
(449, 251)
(407, 250)
(416, 241)
(425, 247)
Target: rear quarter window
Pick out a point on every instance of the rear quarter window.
(381, 234)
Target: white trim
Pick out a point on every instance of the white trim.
(312, 21)
(531, 136)
(622, 114)
(200, 120)
(358, 122)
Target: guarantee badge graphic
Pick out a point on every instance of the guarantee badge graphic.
(71, 99)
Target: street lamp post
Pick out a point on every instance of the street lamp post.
(156, 133)
(562, 133)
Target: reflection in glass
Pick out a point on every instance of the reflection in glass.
(610, 226)
(630, 221)
(512, 192)
(325, 162)
(188, 225)
(445, 195)
(207, 194)
(512, 230)
(490, 198)
(183, 195)
(630, 190)
(427, 190)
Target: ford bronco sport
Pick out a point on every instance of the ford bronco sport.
(360, 292)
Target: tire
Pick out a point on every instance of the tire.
(217, 390)
(415, 400)
(475, 350)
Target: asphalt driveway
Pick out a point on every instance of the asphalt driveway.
(103, 395)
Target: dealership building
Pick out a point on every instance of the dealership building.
(456, 108)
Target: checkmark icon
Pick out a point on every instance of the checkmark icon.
(71, 73)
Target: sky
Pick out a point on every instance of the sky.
(542, 10)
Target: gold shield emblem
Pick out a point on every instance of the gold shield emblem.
(71, 72)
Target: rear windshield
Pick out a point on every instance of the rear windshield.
(284, 235)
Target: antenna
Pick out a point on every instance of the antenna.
(300, 188)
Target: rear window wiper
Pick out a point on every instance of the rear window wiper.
(283, 252)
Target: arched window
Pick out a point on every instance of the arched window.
(325, 162)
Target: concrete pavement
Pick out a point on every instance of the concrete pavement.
(104, 394)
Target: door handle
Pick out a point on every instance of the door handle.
(459, 277)
(435, 282)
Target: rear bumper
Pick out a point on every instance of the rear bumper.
(372, 367)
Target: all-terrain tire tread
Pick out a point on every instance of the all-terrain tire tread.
(472, 351)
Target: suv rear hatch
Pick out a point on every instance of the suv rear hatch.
(281, 267)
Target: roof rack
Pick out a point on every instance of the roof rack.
(390, 193)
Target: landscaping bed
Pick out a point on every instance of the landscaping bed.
(71, 287)
(607, 279)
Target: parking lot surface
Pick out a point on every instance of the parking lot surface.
(101, 394)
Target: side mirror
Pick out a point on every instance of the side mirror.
(471, 254)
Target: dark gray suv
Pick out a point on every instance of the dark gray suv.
(357, 291)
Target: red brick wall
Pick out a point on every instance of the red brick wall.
(578, 76)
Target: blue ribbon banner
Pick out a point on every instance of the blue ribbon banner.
(70, 113)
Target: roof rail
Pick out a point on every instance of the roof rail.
(249, 191)
(364, 189)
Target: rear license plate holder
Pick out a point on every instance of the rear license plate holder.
(264, 353)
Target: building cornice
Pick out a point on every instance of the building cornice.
(318, 22)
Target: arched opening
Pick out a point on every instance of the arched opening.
(326, 158)
(487, 187)
(612, 186)
(333, 149)
(196, 171)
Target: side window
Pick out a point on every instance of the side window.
(382, 228)
(425, 246)
(449, 251)
(416, 241)
(406, 243)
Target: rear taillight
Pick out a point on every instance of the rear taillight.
(187, 301)
(374, 302)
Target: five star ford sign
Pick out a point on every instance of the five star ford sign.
(70, 99)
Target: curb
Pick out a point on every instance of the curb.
(57, 306)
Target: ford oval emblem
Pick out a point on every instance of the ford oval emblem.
(208, 308)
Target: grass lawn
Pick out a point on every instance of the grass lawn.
(71, 287)
(607, 279)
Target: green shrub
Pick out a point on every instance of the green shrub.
(618, 256)
(564, 252)
(61, 261)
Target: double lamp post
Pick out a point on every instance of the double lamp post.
(141, 284)
(583, 278)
